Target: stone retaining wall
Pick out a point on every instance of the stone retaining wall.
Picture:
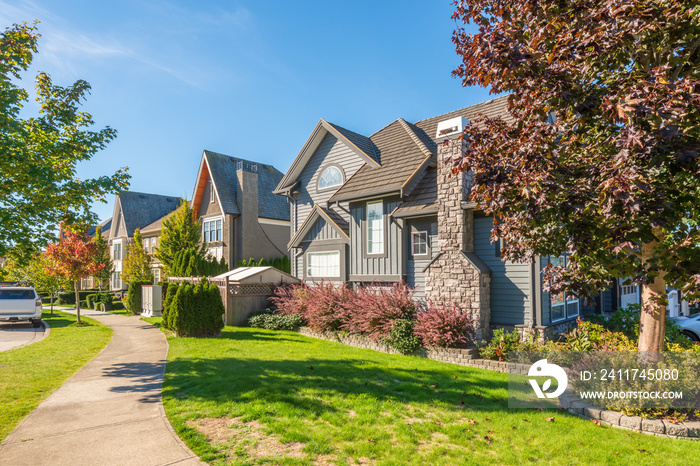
(568, 401)
(574, 405)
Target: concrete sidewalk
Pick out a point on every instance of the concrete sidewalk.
(109, 412)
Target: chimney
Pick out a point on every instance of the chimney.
(455, 224)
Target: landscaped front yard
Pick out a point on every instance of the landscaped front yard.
(31, 373)
(258, 396)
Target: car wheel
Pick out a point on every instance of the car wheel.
(691, 335)
(36, 323)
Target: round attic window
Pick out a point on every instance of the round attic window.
(331, 177)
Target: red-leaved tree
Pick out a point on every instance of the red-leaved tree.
(598, 157)
(73, 257)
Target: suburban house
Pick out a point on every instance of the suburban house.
(92, 282)
(241, 217)
(134, 210)
(384, 208)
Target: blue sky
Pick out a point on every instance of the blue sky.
(248, 79)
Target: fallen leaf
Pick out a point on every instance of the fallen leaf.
(595, 422)
(311, 367)
(526, 420)
(371, 440)
(391, 401)
(539, 409)
(550, 419)
(434, 386)
(487, 419)
(488, 439)
(512, 427)
(616, 453)
(463, 394)
(643, 452)
(472, 421)
(454, 377)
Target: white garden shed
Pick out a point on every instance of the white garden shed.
(248, 290)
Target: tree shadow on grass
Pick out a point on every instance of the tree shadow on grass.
(300, 384)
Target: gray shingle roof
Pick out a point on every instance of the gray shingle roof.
(142, 209)
(490, 108)
(106, 225)
(423, 199)
(400, 155)
(338, 220)
(223, 169)
(403, 146)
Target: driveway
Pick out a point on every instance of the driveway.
(109, 412)
(15, 335)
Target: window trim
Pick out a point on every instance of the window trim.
(212, 193)
(307, 266)
(412, 244)
(565, 305)
(216, 231)
(319, 189)
(368, 254)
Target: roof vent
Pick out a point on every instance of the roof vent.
(450, 128)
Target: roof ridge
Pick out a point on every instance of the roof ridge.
(238, 158)
(384, 127)
(423, 148)
(374, 155)
(463, 108)
(146, 194)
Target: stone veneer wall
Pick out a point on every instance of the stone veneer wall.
(568, 401)
(452, 277)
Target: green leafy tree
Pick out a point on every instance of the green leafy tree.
(39, 154)
(599, 154)
(137, 264)
(102, 258)
(180, 231)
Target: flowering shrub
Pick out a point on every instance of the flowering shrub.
(325, 309)
(372, 311)
(444, 326)
(291, 299)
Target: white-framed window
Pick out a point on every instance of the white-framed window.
(375, 227)
(212, 231)
(156, 276)
(212, 197)
(331, 177)
(117, 251)
(323, 264)
(146, 242)
(116, 281)
(419, 243)
(564, 305)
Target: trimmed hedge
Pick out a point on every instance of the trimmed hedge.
(170, 292)
(68, 297)
(133, 298)
(196, 310)
(276, 321)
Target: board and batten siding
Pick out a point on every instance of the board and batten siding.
(330, 151)
(415, 275)
(546, 298)
(390, 263)
(510, 281)
(321, 230)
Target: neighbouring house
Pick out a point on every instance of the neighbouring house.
(384, 208)
(92, 282)
(241, 217)
(134, 210)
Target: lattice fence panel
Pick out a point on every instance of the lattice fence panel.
(251, 290)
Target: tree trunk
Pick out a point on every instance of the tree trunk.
(652, 322)
(51, 300)
(76, 285)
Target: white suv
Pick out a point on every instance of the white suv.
(20, 304)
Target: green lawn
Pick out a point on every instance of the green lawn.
(256, 396)
(31, 373)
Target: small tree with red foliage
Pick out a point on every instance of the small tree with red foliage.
(73, 257)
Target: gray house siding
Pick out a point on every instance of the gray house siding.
(510, 281)
(415, 277)
(209, 208)
(330, 151)
(278, 235)
(321, 230)
(388, 265)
